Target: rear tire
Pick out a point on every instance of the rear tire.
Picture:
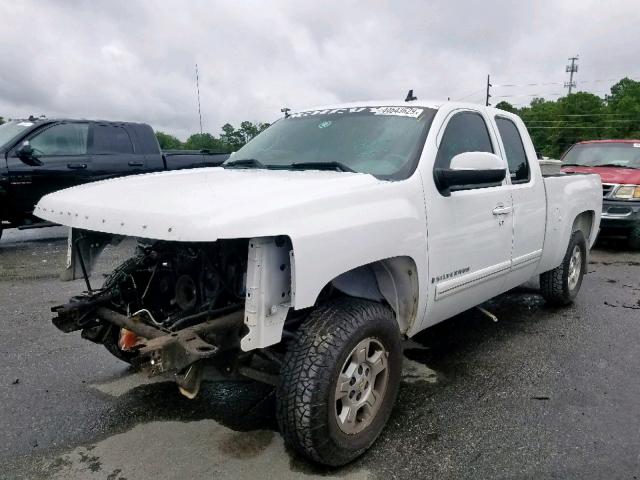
(560, 286)
(634, 238)
(339, 380)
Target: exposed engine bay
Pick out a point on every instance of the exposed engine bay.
(171, 284)
(173, 305)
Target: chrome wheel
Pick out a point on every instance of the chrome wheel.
(575, 267)
(361, 386)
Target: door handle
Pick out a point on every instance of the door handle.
(134, 163)
(76, 166)
(501, 210)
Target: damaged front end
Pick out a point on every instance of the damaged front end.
(176, 307)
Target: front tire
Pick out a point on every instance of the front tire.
(560, 286)
(339, 380)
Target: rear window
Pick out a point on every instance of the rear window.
(109, 139)
(514, 150)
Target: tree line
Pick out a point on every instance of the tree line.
(230, 140)
(555, 125)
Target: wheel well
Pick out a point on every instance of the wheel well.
(584, 223)
(394, 280)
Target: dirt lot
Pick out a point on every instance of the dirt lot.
(542, 393)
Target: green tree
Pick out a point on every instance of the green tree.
(624, 109)
(168, 142)
(539, 118)
(506, 106)
(578, 117)
(204, 141)
(235, 138)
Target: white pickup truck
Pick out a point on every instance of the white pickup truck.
(308, 257)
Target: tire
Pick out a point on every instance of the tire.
(634, 238)
(1, 231)
(560, 286)
(309, 408)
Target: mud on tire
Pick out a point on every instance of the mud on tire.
(556, 285)
(314, 362)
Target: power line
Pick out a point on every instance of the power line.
(469, 95)
(599, 80)
(579, 120)
(568, 127)
(589, 114)
(530, 95)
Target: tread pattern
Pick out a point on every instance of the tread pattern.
(554, 285)
(306, 377)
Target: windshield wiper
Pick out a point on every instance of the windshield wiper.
(244, 163)
(340, 167)
(574, 165)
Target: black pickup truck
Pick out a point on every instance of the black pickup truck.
(44, 155)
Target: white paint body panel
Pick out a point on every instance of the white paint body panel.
(338, 221)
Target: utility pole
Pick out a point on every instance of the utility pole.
(488, 87)
(571, 69)
(198, 89)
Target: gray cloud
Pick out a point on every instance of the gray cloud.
(134, 60)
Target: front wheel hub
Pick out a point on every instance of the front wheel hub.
(361, 386)
(575, 267)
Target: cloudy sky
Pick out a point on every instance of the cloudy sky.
(134, 60)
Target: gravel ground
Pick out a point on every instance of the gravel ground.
(542, 393)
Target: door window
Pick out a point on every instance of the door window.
(465, 132)
(109, 139)
(514, 150)
(61, 139)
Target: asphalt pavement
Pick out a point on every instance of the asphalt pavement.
(542, 393)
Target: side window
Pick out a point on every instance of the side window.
(62, 139)
(110, 139)
(465, 132)
(514, 149)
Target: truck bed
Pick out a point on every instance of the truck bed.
(585, 193)
(179, 159)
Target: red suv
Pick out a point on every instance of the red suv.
(618, 164)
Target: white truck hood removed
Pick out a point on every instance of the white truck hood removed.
(206, 204)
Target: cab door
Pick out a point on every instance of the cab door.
(469, 233)
(112, 152)
(61, 160)
(527, 194)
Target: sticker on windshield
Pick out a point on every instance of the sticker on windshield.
(25, 124)
(636, 145)
(325, 124)
(412, 112)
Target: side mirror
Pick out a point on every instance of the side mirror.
(25, 153)
(468, 170)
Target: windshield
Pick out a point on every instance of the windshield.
(10, 130)
(604, 154)
(383, 141)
